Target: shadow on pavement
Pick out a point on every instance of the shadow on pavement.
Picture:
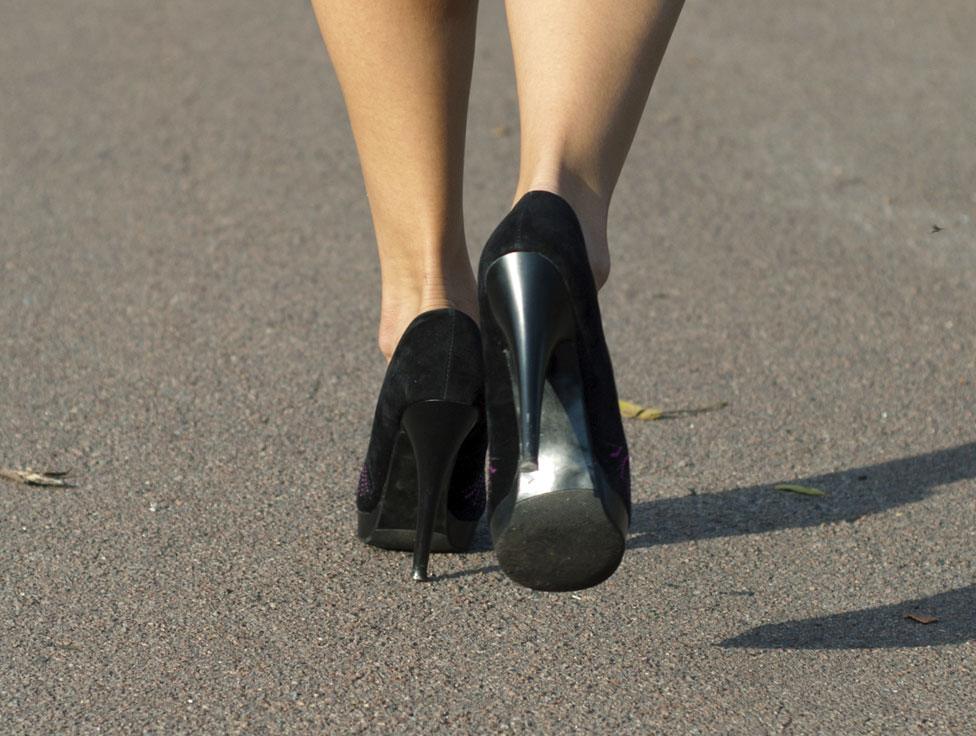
(485, 570)
(869, 628)
(755, 509)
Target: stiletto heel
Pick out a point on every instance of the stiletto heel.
(422, 485)
(436, 430)
(529, 303)
(559, 492)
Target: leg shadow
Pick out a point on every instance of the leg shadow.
(486, 570)
(480, 543)
(873, 628)
(851, 494)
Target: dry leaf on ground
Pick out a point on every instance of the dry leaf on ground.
(921, 618)
(630, 410)
(802, 490)
(34, 478)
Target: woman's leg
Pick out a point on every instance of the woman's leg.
(405, 71)
(584, 69)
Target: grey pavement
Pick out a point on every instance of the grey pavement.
(188, 298)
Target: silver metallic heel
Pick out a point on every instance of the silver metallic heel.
(561, 526)
(530, 304)
(558, 473)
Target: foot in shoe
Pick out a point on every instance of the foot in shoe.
(559, 486)
(422, 485)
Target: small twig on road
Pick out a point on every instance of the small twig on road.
(34, 478)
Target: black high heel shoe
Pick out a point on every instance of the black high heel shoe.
(422, 486)
(559, 482)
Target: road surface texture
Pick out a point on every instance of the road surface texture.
(187, 322)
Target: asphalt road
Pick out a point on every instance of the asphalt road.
(188, 295)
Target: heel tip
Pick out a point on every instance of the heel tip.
(420, 576)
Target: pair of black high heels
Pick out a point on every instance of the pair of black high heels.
(536, 387)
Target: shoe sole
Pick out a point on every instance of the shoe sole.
(559, 541)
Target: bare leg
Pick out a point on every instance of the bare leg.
(405, 72)
(584, 70)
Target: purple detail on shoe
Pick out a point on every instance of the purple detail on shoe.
(488, 476)
(474, 495)
(468, 504)
(623, 461)
(364, 487)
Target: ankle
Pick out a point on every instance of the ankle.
(406, 295)
(590, 208)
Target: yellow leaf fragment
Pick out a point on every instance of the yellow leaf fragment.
(630, 410)
(650, 414)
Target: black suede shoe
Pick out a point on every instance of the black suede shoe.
(422, 486)
(559, 481)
